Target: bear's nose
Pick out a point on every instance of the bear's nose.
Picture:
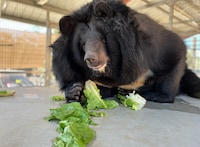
(91, 59)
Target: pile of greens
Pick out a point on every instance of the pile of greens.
(74, 119)
(4, 93)
(73, 125)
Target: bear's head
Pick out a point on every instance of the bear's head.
(95, 37)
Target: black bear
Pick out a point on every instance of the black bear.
(121, 50)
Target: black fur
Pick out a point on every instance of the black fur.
(130, 44)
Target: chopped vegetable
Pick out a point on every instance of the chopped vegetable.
(93, 96)
(73, 127)
(4, 93)
(94, 99)
(135, 101)
(74, 120)
(73, 134)
(58, 98)
(96, 114)
(72, 111)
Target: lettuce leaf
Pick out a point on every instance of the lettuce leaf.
(4, 93)
(73, 125)
(92, 94)
(57, 98)
(96, 114)
(94, 99)
(73, 134)
(74, 120)
(135, 101)
(72, 112)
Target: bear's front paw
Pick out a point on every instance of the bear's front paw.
(74, 92)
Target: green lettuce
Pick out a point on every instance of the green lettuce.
(135, 101)
(73, 134)
(96, 114)
(73, 125)
(72, 112)
(4, 93)
(57, 98)
(74, 119)
(94, 98)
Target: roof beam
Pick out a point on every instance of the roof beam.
(41, 2)
(23, 20)
(52, 24)
(186, 34)
(45, 6)
(175, 17)
(191, 20)
(156, 4)
(152, 4)
(197, 8)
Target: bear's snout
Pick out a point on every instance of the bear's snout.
(96, 61)
(91, 59)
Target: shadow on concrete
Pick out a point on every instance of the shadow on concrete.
(179, 105)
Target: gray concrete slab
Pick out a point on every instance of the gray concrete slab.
(22, 122)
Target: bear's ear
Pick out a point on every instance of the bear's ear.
(101, 8)
(67, 25)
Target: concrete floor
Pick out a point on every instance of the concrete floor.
(22, 122)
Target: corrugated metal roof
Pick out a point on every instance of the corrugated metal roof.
(186, 14)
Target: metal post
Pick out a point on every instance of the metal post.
(0, 7)
(194, 53)
(171, 15)
(48, 53)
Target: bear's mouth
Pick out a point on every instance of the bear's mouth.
(101, 67)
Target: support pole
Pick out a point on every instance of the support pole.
(194, 53)
(1, 5)
(171, 15)
(48, 52)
